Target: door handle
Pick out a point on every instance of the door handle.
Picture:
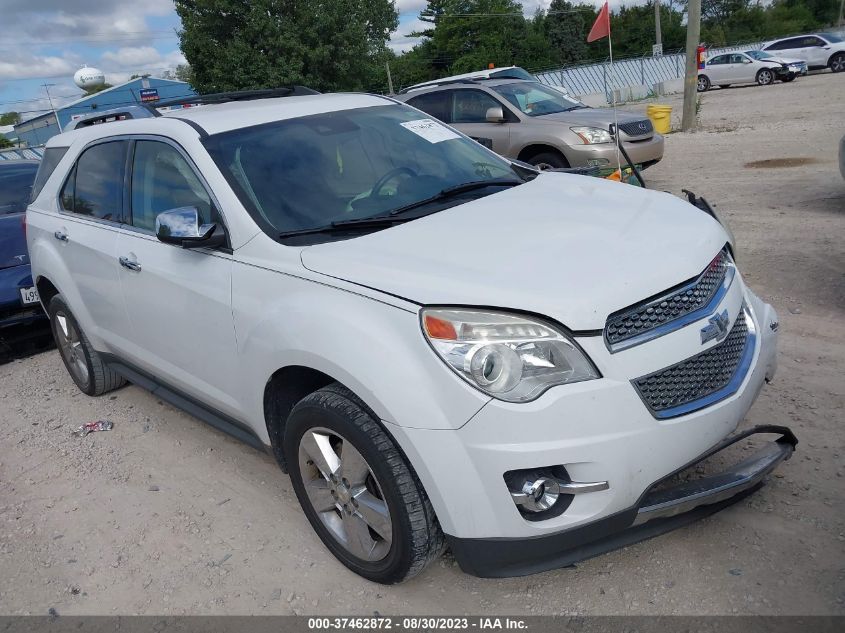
(62, 237)
(127, 263)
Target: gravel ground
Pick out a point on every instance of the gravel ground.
(163, 515)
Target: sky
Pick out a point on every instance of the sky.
(46, 41)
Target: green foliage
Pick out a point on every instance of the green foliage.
(10, 118)
(567, 31)
(455, 42)
(325, 44)
(5, 143)
(95, 89)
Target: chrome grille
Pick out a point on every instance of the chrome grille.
(703, 379)
(637, 128)
(651, 318)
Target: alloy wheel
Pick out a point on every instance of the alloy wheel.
(70, 344)
(703, 84)
(766, 77)
(345, 494)
(837, 64)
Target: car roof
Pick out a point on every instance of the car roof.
(458, 84)
(224, 117)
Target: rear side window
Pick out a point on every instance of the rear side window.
(15, 184)
(795, 42)
(52, 156)
(95, 186)
(162, 180)
(437, 104)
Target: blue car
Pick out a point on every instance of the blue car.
(18, 296)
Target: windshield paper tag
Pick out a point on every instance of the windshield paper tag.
(430, 130)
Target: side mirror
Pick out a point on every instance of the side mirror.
(495, 115)
(182, 227)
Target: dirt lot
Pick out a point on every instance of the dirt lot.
(165, 515)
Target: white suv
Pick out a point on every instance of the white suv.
(439, 345)
(824, 50)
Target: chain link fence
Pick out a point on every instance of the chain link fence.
(598, 77)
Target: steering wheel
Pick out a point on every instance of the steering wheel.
(393, 173)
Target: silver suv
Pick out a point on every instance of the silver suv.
(537, 124)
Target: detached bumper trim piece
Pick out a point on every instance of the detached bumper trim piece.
(659, 510)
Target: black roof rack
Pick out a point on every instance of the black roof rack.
(240, 95)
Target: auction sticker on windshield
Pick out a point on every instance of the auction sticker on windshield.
(430, 130)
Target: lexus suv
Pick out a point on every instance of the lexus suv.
(526, 120)
(440, 346)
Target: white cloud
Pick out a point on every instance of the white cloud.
(400, 40)
(16, 65)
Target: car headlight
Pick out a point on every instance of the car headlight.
(507, 356)
(592, 135)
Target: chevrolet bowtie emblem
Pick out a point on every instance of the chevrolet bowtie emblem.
(716, 328)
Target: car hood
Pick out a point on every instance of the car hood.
(600, 117)
(573, 248)
(12, 241)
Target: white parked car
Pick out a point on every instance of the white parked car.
(439, 345)
(822, 50)
(794, 67)
(741, 68)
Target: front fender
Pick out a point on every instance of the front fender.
(375, 349)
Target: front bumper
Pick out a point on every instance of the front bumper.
(659, 510)
(598, 430)
(645, 153)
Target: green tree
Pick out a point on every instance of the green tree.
(92, 90)
(10, 118)
(567, 31)
(5, 143)
(325, 44)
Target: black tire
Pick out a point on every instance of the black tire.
(703, 83)
(765, 77)
(99, 378)
(723, 86)
(417, 539)
(549, 160)
(837, 62)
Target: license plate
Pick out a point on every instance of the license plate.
(29, 296)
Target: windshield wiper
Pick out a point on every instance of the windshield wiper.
(390, 218)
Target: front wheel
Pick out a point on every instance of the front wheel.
(837, 63)
(87, 368)
(548, 160)
(703, 83)
(360, 495)
(765, 77)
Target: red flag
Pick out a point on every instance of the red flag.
(601, 28)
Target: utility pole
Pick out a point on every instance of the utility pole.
(389, 78)
(658, 38)
(691, 77)
(50, 100)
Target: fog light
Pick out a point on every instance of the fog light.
(538, 495)
(543, 493)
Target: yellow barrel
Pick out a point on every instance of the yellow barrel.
(661, 118)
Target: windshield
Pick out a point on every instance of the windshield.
(312, 171)
(758, 54)
(830, 37)
(535, 99)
